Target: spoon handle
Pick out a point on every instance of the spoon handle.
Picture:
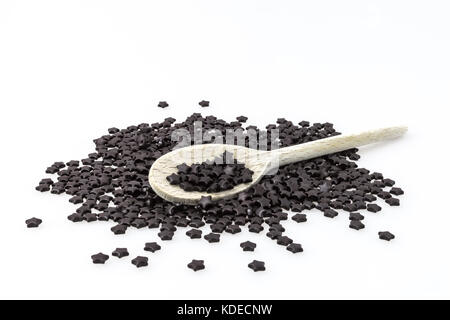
(334, 144)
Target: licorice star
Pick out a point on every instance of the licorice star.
(256, 265)
(196, 265)
(152, 247)
(385, 235)
(120, 252)
(33, 222)
(248, 246)
(99, 258)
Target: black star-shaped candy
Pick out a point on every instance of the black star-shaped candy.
(168, 226)
(284, 240)
(205, 180)
(196, 265)
(212, 237)
(153, 223)
(205, 202)
(272, 220)
(196, 223)
(90, 217)
(388, 182)
(120, 252)
(59, 164)
(256, 228)
(384, 195)
(47, 181)
(99, 258)
(139, 223)
(217, 171)
(304, 123)
(103, 216)
(182, 222)
(119, 229)
(76, 200)
(183, 168)
(173, 178)
(43, 187)
(393, 201)
(258, 190)
(73, 163)
(163, 104)
(152, 246)
(264, 202)
(396, 191)
(350, 207)
(285, 203)
(241, 119)
(33, 222)
(277, 227)
(204, 103)
(385, 235)
(299, 217)
(297, 207)
(356, 224)
(194, 234)
(330, 213)
(51, 170)
(248, 246)
(369, 198)
(257, 265)
(274, 234)
(355, 216)
(373, 207)
(247, 177)
(294, 247)
(217, 227)
(75, 217)
(57, 189)
(239, 220)
(299, 195)
(166, 235)
(233, 229)
(140, 261)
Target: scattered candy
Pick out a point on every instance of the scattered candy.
(99, 258)
(385, 235)
(294, 248)
(194, 234)
(152, 247)
(33, 222)
(140, 261)
(212, 237)
(120, 252)
(196, 265)
(111, 184)
(163, 104)
(299, 217)
(356, 224)
(257, 265)
(204, 103)
(248, 246)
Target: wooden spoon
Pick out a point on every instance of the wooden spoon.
(260, 162)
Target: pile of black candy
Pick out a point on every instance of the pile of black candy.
(111, 183)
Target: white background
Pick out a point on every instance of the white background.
(71, 69)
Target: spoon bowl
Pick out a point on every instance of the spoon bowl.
(257, 161)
